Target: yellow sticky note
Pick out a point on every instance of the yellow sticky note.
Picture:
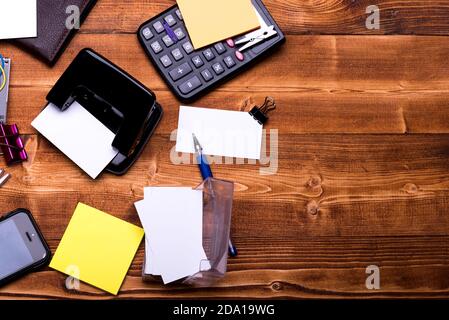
(97, 248)
(210, 21)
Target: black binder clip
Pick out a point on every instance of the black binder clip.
(120, 102)
(260, 114)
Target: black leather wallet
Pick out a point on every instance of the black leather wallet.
(52, 32)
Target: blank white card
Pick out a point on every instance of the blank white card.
(79, 135)
(220, 132)
(18, 19)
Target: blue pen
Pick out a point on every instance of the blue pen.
(207, 173)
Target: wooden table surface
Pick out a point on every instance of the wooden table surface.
(363, 155)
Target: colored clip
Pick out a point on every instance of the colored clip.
(256, 37)
(261, 113)
(11, 144)
(170, 32)
(3, 177)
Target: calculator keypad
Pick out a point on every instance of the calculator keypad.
(170, 20)
(220, 48)
(188, 48)
(186, 70)
(147, 33)
(166, 61)
(218, 68)
(156, 46)
(168, 41)
(179, 34)
(158, 27)
(190, 85)
(180, 72)
(197, 61)
(229, 62)
(207, 75)
(177, 54)
(208, 54)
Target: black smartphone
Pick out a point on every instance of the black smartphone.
(22, 246)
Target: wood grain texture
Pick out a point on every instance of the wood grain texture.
(361, 175)
(427, 17)
(344, 84)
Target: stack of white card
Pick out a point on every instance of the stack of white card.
(173, 221)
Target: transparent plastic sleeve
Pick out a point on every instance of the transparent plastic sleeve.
(217, 210)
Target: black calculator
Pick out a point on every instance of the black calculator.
(191, 73)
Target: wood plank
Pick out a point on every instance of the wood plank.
(388, 64)
(334, 185)
(296, 17)
(352, 187)
(343, 84)
(322, 267)
(316, 111)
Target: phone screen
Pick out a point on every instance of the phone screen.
(19, 245)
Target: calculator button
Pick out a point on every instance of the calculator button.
(147, 33)
(239, 56)
(179, 14)
(208, 54)
(177, 54)
(230, 43)
(207, 75)
(220, 48)
(167, 40)
(197, 61)
(229, 62)
(156, 46)
(179, 33)
(188, 48)
(166, 61)
(170, 20)
(158, 27)
(190, 85)
(218, 68)
(181, 71)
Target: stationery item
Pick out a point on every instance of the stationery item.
(79, 135)
(191, 72)
(19, 19)
(4, 177)
(253, 38)
(5, 67)
(203, 164)
(99, 247)
(260, 114)
(206, 172)
(214, 20)
(173, 223)
(11, 144)
(221, 132)
(120, 102)
(56, 26)
(217, 198)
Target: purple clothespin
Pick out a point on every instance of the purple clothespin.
(170, 32)
(11, 144)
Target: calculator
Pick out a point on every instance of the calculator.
(191, 73)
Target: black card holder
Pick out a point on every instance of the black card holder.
(52, 34)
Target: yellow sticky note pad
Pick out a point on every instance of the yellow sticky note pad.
(97, 248)
(210, 21)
